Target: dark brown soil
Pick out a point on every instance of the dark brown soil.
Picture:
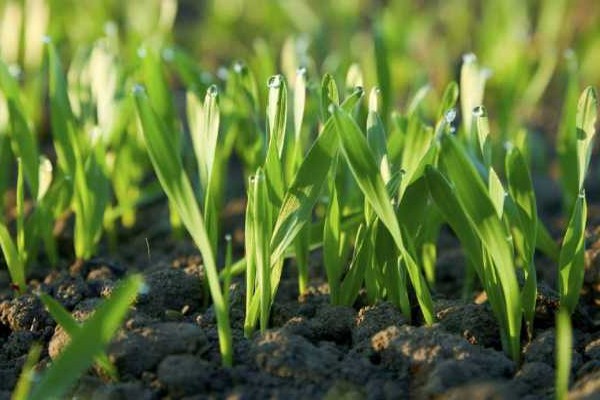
(168, 346)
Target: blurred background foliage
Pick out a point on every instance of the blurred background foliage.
(522, 43)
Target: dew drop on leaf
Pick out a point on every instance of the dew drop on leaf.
(479, 112)
(450, 115)
(274, 82)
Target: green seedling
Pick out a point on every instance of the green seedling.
(472, 213)
(472, 86)
(563, 353)
(566, 138)
(88, 343)
(28, 373)
(572, 253)
(72, 327)
(366, 172)
(82, 162)
(176, 184)
(204, 129)
(15, 253)
(522, 215)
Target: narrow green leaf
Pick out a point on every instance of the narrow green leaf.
(496, 192)
(566, 139)
(382, 68)
(416, 153)
(299, 102)
(444, 195)
(524, 227)
(333, 244)
(93, 336)
(276, 129)
(262, 233)
(329, 95)
(563, 352)
(418, 99)
(16, 268)
(72, 327)
(61, 116)
(366, 173)
(587, 114)
(169, 169)
(28, 373)
(304, 191)
(277, 111)
(472, 86)
(353, 279)
(26, 146)
(449, 99)
(376, 136)
(249, 243)
(481, 135)
(474, 199)
(572, 257)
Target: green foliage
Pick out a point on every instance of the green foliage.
(491, 243)
(327, 169)
(87, 342)
(174, 181)
(366, 172)
(572, 253)
(563, 353)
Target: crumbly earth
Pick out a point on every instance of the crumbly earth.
(168, 346)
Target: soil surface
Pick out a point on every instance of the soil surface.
(168, 346)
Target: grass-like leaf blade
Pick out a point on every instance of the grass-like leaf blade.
(366, 173)
(92, 337)
(169, 169)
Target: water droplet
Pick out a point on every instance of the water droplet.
(228, 237)
(144, 289)
(15, 71)
(452, 129)
(469, 58)
(331, 108)
(239, 67)
(479, 112)
(46, 39)
(142, 52)
(212, 91)
(275, 82)
(110, 28)
(450, 115)
(138, 89)
(301, 71)
(168, 54)
(222, 73)
(359, 90)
